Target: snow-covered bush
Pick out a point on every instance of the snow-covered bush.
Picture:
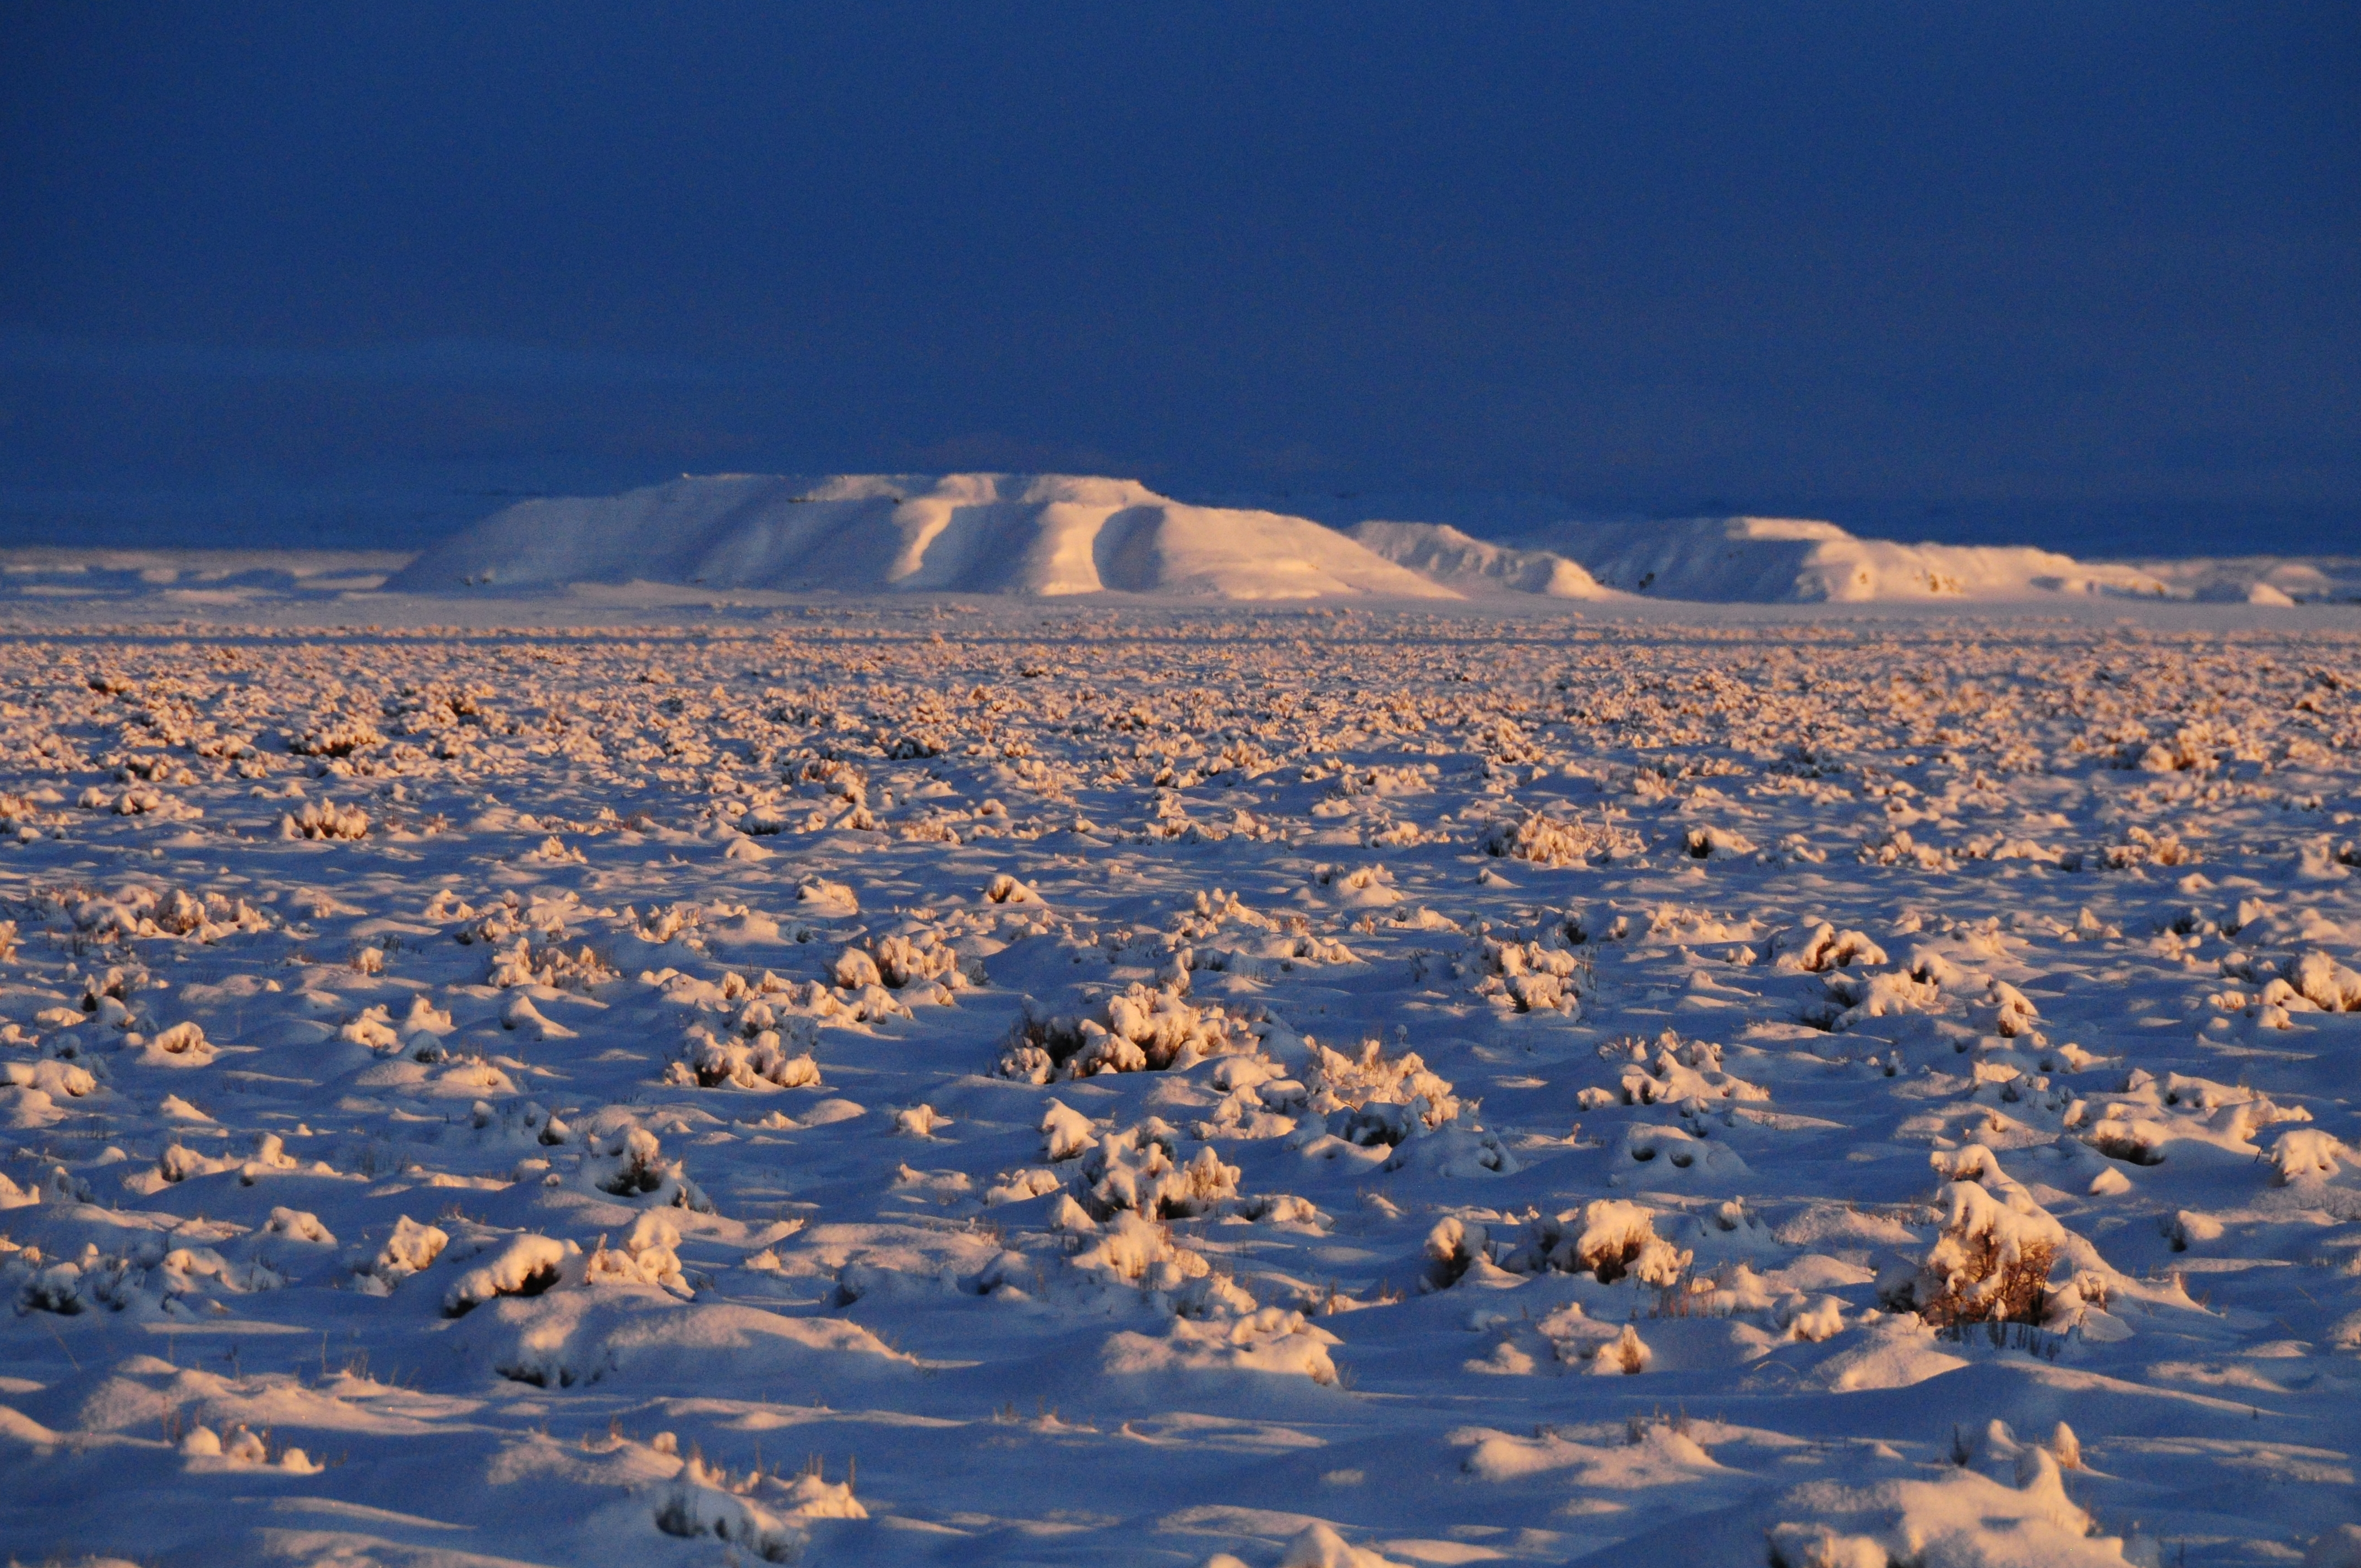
(550, 965)
(2304, 1154)
(1362, 887)
(1006, 889)
(2007, 1011)
(630, 1164)
(1065, 1133)
(335, 735)
(1992, 1260)
(1371, 1098)
(2326, 985)
(758, 1514)
(1021, 1185)
(1609, 1239)
(919, 964)
(1716, 843)
(1854, 997)
(1139, 1169)
(778, 1058)
(1818, 947)
(1132, 1250)
(178, 1162)
(1137, 1029)
(522, 1266)
(647, 1255)
(1682, 1070)
(62, 1080)
(410, 1248)
(324, 819)
(135, 911)
(184, 1043)
(1528, 977)
(2122, 1132)
(1553, 842)
(2143, 847)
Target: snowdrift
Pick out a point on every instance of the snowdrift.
(971, 534)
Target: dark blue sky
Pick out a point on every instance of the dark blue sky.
(2088, 271)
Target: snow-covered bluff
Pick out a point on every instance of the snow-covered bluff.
(1468, 565)
(977, 533)
(1744, 560)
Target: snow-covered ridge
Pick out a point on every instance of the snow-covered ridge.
(1037, 536)
(1747, 560)
(1468, 565)
(1044, 535)
(1050, 535)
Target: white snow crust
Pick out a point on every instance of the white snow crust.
(905, 1081)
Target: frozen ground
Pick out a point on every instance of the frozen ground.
(899, 1081)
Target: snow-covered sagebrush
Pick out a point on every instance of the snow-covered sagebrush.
(903, 1082)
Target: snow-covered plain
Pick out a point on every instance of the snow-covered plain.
(907, 1080)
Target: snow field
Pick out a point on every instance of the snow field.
(921, 1085)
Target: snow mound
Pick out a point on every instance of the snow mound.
(2260, 579)
(581, 1335)
(1778, 560)
(1042, 536)
(1469, 565)
(1963, 1518)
